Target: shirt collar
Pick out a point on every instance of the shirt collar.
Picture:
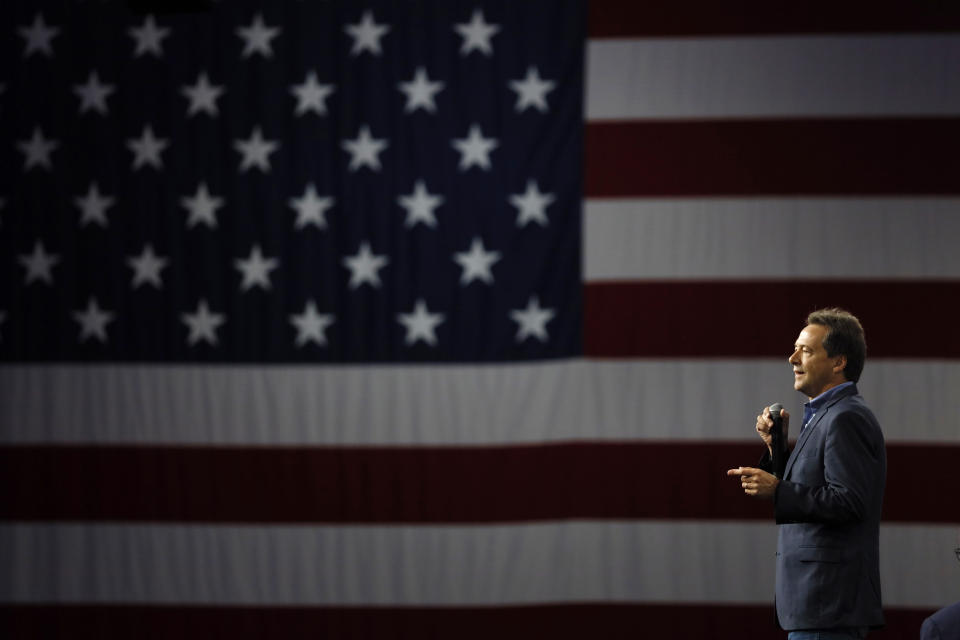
(826, 396)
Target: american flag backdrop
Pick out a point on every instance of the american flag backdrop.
(444, 319)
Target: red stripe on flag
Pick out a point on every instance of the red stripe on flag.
(618, 19)
(619, 480)
(558, 622)
(765, 157)
(736, 319)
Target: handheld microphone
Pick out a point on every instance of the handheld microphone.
(776, 432)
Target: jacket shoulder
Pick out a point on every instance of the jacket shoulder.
(852, 407)
(946, 620)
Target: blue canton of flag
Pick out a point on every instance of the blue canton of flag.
(291, 181)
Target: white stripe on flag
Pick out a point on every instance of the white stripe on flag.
(403, 565)
(757, 238)
(780, 76)
(451, 405)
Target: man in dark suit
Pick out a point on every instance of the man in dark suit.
(829, 498)
(945, 623)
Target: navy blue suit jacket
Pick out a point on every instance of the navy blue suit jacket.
(828, 508)
(943, 625)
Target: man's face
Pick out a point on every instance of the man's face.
(813, 370)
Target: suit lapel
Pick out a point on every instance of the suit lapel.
(802, 440)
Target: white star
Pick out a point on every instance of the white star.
(257, 37)
(93, 321)
(149, 38)
(202, 324)
(476, 34)
(255, 151)
(475, 149)
(255, 269)
(421, 324)
(364, 149)
(366, 34)
(364, 266)
(310, 208)
(532, 91)
(311, 326)
(93, 207)
(147, 149)
(532, 321)
(146, 268)
(202, 207)
(37, 150)
(38, 264)
(531, 205)
(38, 37)
(420, 91)
(476, 263)
(93, 95)
(420, 205)
(311, 95)
(202, 96)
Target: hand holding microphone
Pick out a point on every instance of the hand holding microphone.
(772, 417)
(772, 425)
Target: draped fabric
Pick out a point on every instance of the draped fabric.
(283, 442)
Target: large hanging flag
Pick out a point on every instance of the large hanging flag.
(390, 319)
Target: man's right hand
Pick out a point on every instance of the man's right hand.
(765, 422)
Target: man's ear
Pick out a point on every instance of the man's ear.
(840, 364)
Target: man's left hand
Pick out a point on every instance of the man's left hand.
(756, 482)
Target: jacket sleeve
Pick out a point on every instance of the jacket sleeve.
(766, 462)
(853, 471)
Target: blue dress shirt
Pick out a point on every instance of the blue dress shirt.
(810, 408)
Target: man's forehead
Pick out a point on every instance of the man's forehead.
(812, 335)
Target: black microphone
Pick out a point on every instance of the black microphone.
(776, 432)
